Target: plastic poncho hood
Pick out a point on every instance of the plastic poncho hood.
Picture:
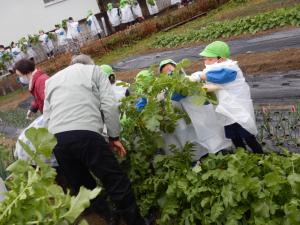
(216, 49)
(89, 13)
(107, 69)
(166, 62)
(123, 3)
(109, 6)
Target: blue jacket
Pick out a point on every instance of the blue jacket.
(221, 76)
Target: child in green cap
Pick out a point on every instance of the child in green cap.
(225, 77)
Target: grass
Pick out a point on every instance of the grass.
(14, 118)
(12, 95)
(230, 10)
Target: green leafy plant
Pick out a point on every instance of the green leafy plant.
(33, 197)
(5, 160)
(226, 29)
(240, 188)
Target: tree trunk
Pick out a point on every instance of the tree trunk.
(102, 7)
(144, 8)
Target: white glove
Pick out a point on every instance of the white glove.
(195, 77)
(160, 96)
(29, 115)
(212, 87)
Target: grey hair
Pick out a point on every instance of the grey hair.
(83, 59)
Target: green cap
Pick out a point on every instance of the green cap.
(109, 6)
(89, 13)
(166, 62)
(216, 49)
(122, 3)
(107, 69)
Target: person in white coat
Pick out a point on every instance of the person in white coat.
(204, 131)
(31, 54)
(119, 91)
(152, 7)
(93, 24)
(137, 11)
(113, 16)
(126, 13)
(73, 29)
(47, 44)
(61, 37)
(16, 52)
(224, 76)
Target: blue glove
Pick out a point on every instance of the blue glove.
(62, 33)
(46, 40)
(177, 97)
(78, 29)
(140, 104)
(16, 53)
(89, 22)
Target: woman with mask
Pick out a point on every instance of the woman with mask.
(35, 79)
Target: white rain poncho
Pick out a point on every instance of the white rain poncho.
(61, 36)
(126, 14)
(174, 2)
(153, 9)
(46, 43)
(21, 154)
(2, 190)
(205, 131)
(136, 9)
(94, 25)
(73, 30)
(30, 52)
(235, 102)
(113, 16)
(17, 54)
(119, 91)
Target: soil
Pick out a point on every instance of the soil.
(275, 41)
(13, 102)
(258, 64)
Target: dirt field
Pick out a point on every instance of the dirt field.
(252, 63)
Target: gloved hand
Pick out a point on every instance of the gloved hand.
(140, 104)
(212, 87)
(197, 76)
(161, 96)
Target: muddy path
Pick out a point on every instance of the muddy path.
(275, 88)
(261, 43)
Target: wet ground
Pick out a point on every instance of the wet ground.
(275, 88)
(264, 43)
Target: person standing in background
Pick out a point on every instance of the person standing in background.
(127, 17)
(47, 44)
(61, 36)
(93, 24)
(113, 16)
(16, 52)
(137, 11)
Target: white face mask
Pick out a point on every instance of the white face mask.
(24, 80)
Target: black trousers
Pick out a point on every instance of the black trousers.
(240, 136)
(80, 152)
